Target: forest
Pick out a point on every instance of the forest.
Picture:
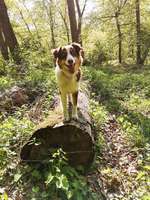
(115, 37)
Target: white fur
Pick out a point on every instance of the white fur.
(69, 56)
(68, 85)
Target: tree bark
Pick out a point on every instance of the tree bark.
(138, 33)
(65, 24)
(119, 38)
(80, 15)
(26, 24)
(52, 28)
(73, 21)
(75, 137)
(145, 54)
(3, 46)
(33, 21)
(50, 21)
(8, 32)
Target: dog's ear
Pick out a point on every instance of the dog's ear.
(78, 49)
(56, 52)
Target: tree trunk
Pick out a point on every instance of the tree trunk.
(50, 21)
(65, 24)
(26, 24)
(3, 46)
(138, 33)
(145, 54)
(33, 21)
(119, 38)
(52, 28)
(73, 21)
(8, 32)
(75, 137)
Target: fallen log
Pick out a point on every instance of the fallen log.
(74, 137)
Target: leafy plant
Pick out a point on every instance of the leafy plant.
(63, 181)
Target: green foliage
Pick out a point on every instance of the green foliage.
(133, 131)
(6, 82)
(98, 54)
(63, 181)
(13, 132)
(129, 97)
(56, 179)
(98, 112)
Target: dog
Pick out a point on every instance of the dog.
(68, 60)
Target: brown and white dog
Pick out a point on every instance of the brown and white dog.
(68, 73)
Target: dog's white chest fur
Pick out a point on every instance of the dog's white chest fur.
(67, 82)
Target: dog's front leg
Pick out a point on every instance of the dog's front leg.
(74, 110)
(64, 105)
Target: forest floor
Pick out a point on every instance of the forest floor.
(117, 172)
(122, 166)
(120, 109)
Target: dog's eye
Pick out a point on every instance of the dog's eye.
(73, 52)
(63, 54)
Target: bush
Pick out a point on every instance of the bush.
(98, 55)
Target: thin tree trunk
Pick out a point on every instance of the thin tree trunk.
(33, 21)
(52, 28)
(138, 33)
(26, 24)
(3, 46)
(51, 22)
(119, 38)
(145, 56)
(66, 26)
(73, 21)
(8, 32)
(79, 20)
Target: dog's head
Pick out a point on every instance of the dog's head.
(69, 57)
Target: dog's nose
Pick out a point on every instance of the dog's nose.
(70, 61)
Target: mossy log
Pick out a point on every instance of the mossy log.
(74, 137)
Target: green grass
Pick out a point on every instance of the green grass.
(125, 92)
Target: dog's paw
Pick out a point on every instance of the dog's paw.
(75, 117)
(66, 119)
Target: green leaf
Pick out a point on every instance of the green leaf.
(140, 175)
(79, 196)
(36, 174)
(35, 189)
(146, 197)
(17, 177)
(65, 183)
(69, 194)
(5, 196)
(62, 182)
(49, 179)
(147, 167)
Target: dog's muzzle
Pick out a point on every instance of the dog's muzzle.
(71, 68)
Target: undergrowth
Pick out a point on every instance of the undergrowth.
(120, 91)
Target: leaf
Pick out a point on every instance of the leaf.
(36, 174)
(65, 183)
(69, 194)
(35, 189)
(147, 167)
(17, 177)
(62, 182)
(5, 196)
(49, 179)
(146, 197)
(79, 196)
(140, 175)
